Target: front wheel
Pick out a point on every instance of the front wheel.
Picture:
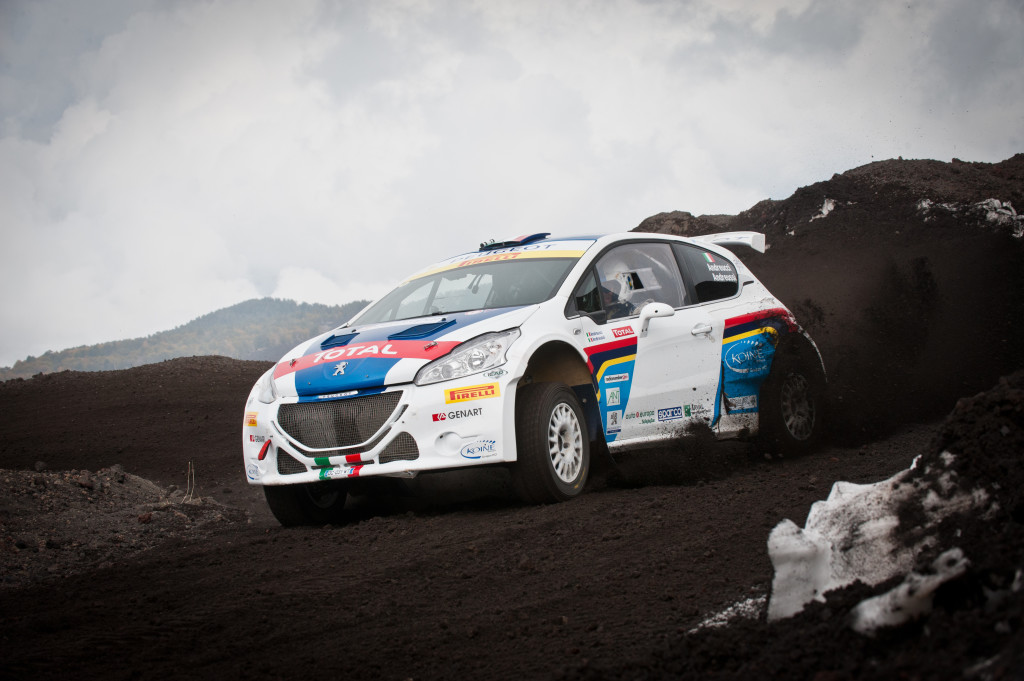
(554, 450)
(791, 401)
(314, 503)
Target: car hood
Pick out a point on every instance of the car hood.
(370, 358)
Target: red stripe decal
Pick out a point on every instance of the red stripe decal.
(763, 314)
(611, 345)
(398, 349)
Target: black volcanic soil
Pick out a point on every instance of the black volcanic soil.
(115, 565)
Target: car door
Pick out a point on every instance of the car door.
(651, 383)
(742, 353)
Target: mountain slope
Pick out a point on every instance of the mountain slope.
(263, 328)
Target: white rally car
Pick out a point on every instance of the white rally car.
(522, 354)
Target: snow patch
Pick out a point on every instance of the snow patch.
(990, 211)
(910, 599)
(750, 608)
(827, 207)
(855, 535)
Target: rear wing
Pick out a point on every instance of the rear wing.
(753, 240)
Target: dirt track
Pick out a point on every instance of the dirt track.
(438, 586)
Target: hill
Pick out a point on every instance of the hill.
(259, 329)
(907, 273)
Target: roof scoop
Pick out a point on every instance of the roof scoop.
(422, 330)
(334, 340)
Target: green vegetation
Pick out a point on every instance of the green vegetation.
(255, 329)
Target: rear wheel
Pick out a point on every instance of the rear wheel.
(791, 401)
(554, 450)
(314, 503)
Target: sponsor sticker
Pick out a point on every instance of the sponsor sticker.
(258, 439)
(614, 421)
(746, 356)
(353, 351)
(640, 415)
(595, 336)
(612, 397)
(670, 414)
(331, 396)
(551, 249)
(252, 471)
(250, 418)
(745, 402)
(472, 392)
(616, 378)
(696, 410)
(481, 449)
(623, 331)
(457, 414)
(495, 373)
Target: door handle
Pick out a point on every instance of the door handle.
(702, 329)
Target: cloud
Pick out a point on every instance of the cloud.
(160, 160)
(307, 285)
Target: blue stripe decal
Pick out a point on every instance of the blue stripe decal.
(368, 364)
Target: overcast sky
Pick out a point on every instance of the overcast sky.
(161, 160)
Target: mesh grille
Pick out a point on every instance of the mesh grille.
(287, 464)
(341, 423)
(402, 448)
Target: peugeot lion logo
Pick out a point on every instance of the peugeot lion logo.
(339, 368)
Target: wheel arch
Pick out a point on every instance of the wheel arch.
(803, 348)
(559, 362)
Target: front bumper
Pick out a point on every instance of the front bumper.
(399, 431)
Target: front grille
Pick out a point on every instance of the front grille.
(341, 423)
(288, 464)
(402, 448)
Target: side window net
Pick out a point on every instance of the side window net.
(713, 277)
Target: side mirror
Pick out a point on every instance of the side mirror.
(652, 310)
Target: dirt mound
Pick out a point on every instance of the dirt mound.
(152, 419)
(56, 524)
(910, 288)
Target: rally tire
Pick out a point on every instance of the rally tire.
(553, 447)
(315, 503)
(791, 404)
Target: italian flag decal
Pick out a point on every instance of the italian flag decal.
(708, 257)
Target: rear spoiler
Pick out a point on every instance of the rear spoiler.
(753, 240)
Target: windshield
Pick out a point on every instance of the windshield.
(483, 286)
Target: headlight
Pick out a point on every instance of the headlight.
(482, 353)
(267, 390)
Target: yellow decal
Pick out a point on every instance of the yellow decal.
(748, 334)
(473, 392)
(517, 255)
(250, 418)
